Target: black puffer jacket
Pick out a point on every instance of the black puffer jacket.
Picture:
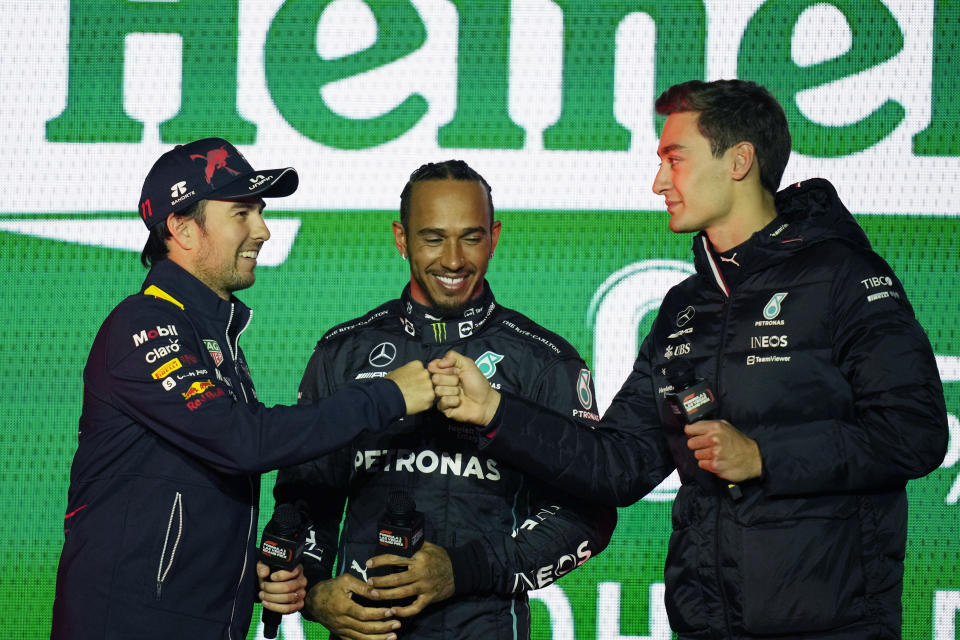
(807, 339)
(505, 533)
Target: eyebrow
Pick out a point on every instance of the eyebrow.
(439, 231)
(670, 148)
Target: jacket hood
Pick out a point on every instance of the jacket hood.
(808, 213)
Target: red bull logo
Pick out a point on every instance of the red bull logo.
(215, 159)
(196, 388)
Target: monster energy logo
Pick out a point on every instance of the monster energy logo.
(439, 331)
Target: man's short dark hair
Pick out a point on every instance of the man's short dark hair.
(732, 111)
(447, 170)
(156, 248)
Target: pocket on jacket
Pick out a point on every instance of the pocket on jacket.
(801, 575)
(171, 542)
(685, 604)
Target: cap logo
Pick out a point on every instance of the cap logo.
(178, 189)
(258, 180)
(215, 159)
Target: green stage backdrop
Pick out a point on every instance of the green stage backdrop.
(552, 102)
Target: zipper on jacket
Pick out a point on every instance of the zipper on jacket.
(234, 348)
(250, 526)
(716, 525)
(176, 514)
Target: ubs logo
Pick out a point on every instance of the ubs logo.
(382, 354)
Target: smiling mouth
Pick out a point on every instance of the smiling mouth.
(249, 254)
(451, 282)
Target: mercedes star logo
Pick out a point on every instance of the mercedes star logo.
(382, 354)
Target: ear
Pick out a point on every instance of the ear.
(744, 159)
(494, 235)
(183, 231)
(400, 239)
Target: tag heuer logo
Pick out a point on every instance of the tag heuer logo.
(487, 363)
(214, 350)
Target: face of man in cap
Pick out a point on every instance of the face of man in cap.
(223, 252)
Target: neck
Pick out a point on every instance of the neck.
(747, 218)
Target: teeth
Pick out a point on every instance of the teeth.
(450, 281)
(249, 254)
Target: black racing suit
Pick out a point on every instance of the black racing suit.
(160, 527)
(505, 532)
(811, 349)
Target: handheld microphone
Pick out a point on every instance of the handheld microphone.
(280, 549)
(399, 532)
(692, 399)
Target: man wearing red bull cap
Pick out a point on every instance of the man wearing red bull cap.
(160, 527)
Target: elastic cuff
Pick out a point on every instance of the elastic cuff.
(471, 572)
(487, 433)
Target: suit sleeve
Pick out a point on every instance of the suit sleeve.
(898, 429)
(616, 464)
(554, 533)
(317, 486)
(203, 419)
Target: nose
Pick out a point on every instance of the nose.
(661, 181)
(452, 257)
(258, 227)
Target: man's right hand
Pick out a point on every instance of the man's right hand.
(415, 385)
(330, 604)
(463, 393)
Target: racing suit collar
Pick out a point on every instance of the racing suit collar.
(435, 328)
(195, 296)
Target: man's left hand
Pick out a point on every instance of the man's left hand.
(282, 591)
(429, 577)
(723, 450)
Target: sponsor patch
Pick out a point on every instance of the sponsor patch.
(772, 309)
(214, 350)
(487, 363)
(382, 354)
(197, 388)
(583, 389)
(166, 369)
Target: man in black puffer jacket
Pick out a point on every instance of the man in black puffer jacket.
(492, 532)
(792, 517)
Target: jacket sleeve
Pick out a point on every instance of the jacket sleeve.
(317, 486)
(555, 533)
(616, 464)
(898, 429)
(202, 418)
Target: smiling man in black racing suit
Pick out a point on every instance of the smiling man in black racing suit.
(492, 533)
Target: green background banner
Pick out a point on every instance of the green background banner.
(552, 101)
(548, 264)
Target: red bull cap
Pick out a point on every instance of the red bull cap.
(211, 169)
